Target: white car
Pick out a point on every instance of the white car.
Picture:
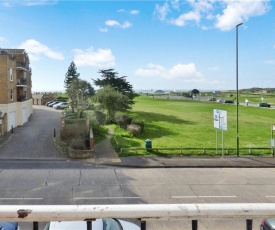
(61, 105)
(98, 224)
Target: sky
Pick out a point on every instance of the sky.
(168, 45)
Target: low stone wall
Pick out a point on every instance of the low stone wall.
(80, 154)
(72, 153)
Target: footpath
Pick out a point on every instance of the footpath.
(106, 155)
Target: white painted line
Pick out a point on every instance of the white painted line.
(270, 196)
(105, 198)
(188, 197)
(21, 198)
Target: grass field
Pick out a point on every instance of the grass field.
(189, 124)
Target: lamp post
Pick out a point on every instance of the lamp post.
(237, 87)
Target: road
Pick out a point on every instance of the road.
(141, 186)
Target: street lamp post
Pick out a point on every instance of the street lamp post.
(237, 88)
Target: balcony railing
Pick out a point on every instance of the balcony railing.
(21, 81)
(23, 65)
(142, 212)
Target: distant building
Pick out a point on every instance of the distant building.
(15, 89)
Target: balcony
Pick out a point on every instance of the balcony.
(21, 82)
(21, 98)
(23, 65)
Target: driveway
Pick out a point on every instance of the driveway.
(34, 140)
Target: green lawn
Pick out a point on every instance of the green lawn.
(189, 124)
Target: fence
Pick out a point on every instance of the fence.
(201, 151)
(142, 212)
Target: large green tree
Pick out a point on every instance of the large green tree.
(112, 101)
(71, 75)
(111, 78)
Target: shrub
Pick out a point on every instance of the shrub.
(139, 123)
(134, 129)
(122, 120)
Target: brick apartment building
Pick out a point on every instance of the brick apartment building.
(15, 89)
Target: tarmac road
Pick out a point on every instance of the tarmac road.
(34, 140)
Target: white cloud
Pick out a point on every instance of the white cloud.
(2, 39)
(161, 11)
(184, 18)
(35, 48)
(175, 4)
(222, 14)
(185, 72)
(104, 30)
(121, 10)
(114, 23)
(135, 12)
(240, 11)
(95, 58)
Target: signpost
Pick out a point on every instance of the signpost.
(220, 122)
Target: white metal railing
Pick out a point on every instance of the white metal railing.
(143, 212)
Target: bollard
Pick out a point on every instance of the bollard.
(54, 133)
(12, 129)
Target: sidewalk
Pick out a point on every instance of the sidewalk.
(196, 162)
(106, 155)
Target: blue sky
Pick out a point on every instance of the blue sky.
(172, 45)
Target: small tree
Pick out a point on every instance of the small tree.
(112, 100)
(79, 91)
(195, 92)
(71, 75)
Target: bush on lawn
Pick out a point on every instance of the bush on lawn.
(135, 130)
(122, 120)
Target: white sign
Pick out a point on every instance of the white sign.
(272, 143)
(220, 119)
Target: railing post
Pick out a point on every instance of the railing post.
(89, 225)
(35, 225)
(249, 224)
(194, 224)
(142, 225)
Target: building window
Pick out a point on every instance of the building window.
(11, 94)
(11, 76)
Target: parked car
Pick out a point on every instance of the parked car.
(212, 99)
(9, 226)
(98, 224)
(264, 104)
(267, 224)
(49, 102)
(61, 105)
(221, 100)
(229, 102)
(54, 103)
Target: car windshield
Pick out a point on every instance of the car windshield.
(111, 224)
